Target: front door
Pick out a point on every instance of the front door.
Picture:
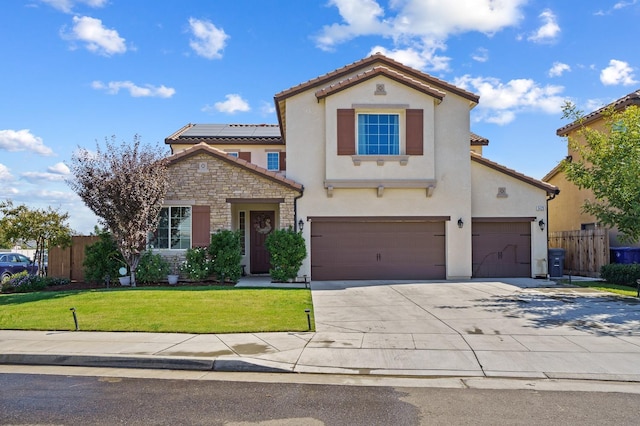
(262, 223)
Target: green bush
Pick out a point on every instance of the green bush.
(102, 258)
(23, 283)
(197, 265)
(287, 250)
(621, 273)
(152, 268)
(225, 252)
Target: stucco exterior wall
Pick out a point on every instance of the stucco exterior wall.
(522, 200)
(312, 142)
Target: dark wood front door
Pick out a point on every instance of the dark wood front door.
(262, 224)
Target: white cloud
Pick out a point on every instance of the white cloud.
(481, 55)
(148, 90)
(56, 173)
(95, 36)
(5, 173)
(558, 69)
(59, 169)
(549, 31)
(233, 104)
(267, 108)
(209, 40)
(618, 72)
(66, 6)
(419, 19)
(418, 28)
(501, 102)
(23, 140)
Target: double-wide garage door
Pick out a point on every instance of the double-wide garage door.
(365, 250)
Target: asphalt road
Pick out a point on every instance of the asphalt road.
(50, 399)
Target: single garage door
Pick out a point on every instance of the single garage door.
(353, 250)
(501, 249)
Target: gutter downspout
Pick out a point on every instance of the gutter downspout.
(295, 208)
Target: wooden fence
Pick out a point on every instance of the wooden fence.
(585, 251)
(67, 262)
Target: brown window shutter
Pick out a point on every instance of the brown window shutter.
(200, 220)
(415, 133)
(245, 155)
(283, 161)
(346, 132)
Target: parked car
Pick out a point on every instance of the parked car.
(13, 263)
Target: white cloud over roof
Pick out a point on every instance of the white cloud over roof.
(95, 36)
(618, 72)
(233, 104)
(146, 91)
(208, 41)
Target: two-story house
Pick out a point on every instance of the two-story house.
(376, 165)
(565, 212)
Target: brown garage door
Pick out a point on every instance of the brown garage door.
(501, 249)
(377, 250)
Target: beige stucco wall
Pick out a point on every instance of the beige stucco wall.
(522, 200)
(311, 141)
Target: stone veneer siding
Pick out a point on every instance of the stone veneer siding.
(218, 180)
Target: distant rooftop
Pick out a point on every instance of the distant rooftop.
(229, 133)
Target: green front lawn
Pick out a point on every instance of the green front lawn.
(604, 286)
(180, 310)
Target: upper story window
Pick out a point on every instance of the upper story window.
(174, 229)
(378, 134)
(273, 161)
(233, 153)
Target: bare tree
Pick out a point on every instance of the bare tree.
(125, 186)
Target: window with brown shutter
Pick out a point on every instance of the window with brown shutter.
(283, 161)
(415, 132)
(245, 155)
(200, 226)
(346, 132)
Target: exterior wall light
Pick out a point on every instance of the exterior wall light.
(460, 223)
(300, 225)
(541, 224)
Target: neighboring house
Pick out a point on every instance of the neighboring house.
(565, 212)
(376, 163)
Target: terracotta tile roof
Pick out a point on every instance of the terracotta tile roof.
(367, 63)
(263, 134)
(374, 72)
(207, 149)
(551, 189)
(478, 140)
(632, 98)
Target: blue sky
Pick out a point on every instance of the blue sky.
(75, 72)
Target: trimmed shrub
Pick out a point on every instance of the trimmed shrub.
(152, 268)
(23, 283)
(197, 265)
(102, 258)
(621, 273)
(225, 252)
(287, 250)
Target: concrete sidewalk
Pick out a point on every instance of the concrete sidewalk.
(520, 328)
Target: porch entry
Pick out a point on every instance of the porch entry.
(262, 224)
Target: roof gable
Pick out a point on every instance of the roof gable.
(550, 189)
(204, 148)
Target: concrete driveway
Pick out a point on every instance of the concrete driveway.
(506, 328)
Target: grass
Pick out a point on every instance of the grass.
(604, 286)
(183, 310)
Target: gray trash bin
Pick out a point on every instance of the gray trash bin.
(556, 262)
